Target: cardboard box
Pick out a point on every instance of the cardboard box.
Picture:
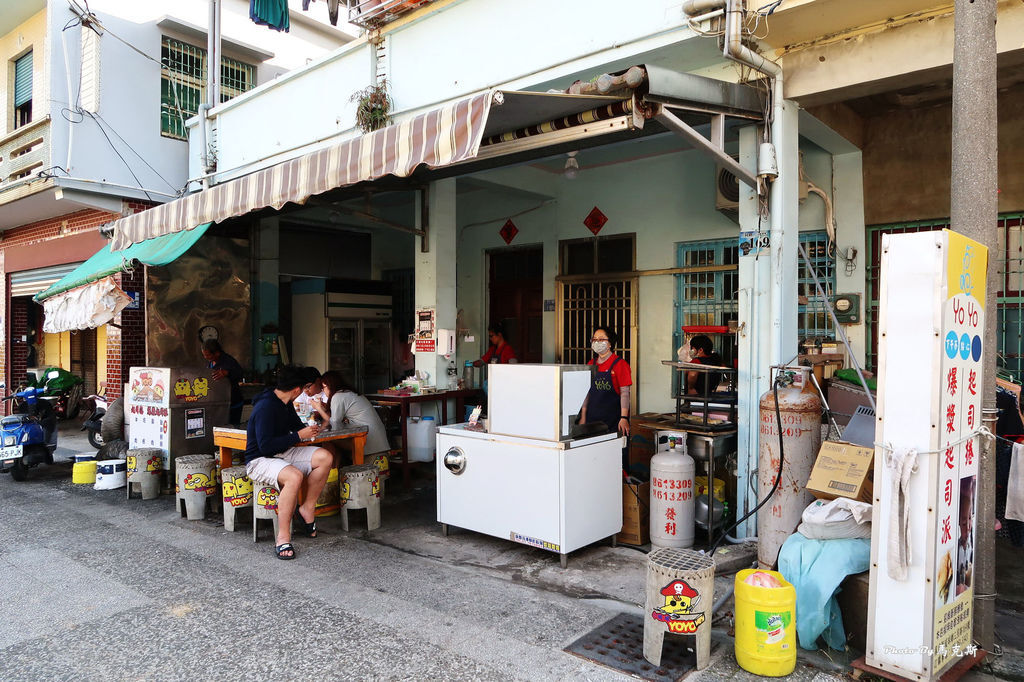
(636, 514)
(643, 443)
(842, 470)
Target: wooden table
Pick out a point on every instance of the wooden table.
(228, 440)
(404, 401)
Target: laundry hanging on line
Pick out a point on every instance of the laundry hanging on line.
(270, 13)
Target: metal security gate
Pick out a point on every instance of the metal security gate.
(1009, 298)
(584, 304)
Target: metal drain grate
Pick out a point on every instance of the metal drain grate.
(619, 644)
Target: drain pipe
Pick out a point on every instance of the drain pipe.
(734, 50)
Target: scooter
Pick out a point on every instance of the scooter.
(28, 437)
(63, 389)
(94, 422)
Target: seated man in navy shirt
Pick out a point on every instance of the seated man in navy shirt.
(274, 455)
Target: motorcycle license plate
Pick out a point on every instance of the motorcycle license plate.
(10, 452)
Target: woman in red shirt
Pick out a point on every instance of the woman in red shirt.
(499, 352)
(608, 399)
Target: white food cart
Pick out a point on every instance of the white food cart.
(525, 478)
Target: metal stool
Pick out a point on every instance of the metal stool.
(264, 506)
(237, 494)
(360, 489)
(144, 468)
(680, 592)
(194, 483)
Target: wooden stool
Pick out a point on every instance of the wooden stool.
(264, 506)
(360, 489)
(145, 466)
(237, 494)
(194, 483)
(680, 592)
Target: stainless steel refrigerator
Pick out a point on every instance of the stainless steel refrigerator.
(361, 351)
(344, 330)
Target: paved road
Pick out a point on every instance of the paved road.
(98, 587)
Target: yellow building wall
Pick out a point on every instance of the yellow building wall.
(30, 34)
(56, 351)
(101, 356)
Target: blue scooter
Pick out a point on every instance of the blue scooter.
(29, 436)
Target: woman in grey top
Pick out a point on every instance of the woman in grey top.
(345, 406)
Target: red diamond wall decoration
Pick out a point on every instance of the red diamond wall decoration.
(508, 231)
(595, 220)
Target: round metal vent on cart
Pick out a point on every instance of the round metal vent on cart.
(455, 460)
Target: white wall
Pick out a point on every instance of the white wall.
(460, 49)
(663, 199)
(130, 82)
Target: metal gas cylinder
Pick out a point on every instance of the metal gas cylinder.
(800, 409)
(672, 498)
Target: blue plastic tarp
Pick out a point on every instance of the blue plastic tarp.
(816, 568)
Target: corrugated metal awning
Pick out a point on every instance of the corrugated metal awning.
(31, 282)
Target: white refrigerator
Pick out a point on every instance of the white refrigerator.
(541, 489)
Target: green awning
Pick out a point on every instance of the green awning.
(156, 251)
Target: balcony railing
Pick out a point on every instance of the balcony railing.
(24, 151)
(371, 14)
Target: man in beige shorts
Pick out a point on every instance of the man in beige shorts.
(274, 455)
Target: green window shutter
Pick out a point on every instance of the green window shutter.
(23, 80)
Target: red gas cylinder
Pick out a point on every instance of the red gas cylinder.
(800, 409)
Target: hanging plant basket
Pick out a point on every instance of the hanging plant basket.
(373, 107)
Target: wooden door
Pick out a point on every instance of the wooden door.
(516, 290)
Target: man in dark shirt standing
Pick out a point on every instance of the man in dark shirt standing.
(225, 367)
(703, 350)
(274, 455)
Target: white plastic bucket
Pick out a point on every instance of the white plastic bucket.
(422, 439)
(111, 474)
(85, 456)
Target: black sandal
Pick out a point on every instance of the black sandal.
(285, 547)
(308, 528)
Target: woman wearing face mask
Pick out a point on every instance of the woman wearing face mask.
(608, 399)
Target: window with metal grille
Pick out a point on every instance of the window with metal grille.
(707, 294)
(183, 83)
(23, 90)
(813, 320)
(1009, 297)
(598, 255)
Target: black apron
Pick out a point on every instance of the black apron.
(603, 404)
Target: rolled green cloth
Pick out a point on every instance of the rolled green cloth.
(850, 374)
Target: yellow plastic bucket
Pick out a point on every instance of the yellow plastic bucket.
(84, 472)
(765, 626)
(329, 502)
(701, 484)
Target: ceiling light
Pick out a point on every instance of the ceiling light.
(572, 167)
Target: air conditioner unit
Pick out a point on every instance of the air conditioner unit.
(727, 194)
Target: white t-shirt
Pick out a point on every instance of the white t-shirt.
(302, 402)
(358, 410)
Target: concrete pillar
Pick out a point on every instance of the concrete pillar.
(848, 204)
(435, 269)
(752, 340)
(265, 287)
(785, 206)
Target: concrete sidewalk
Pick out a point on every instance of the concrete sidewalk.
(101, 587)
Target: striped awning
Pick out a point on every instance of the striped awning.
(442, 137)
